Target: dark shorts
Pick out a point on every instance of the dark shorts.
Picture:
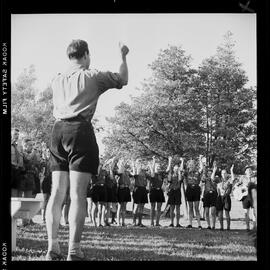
(99, 194)
(74, 147)
(46, 185)
(174, 196)
(114, 194)
(89, 192)
(223, 203)
(193, 193)
(16, 175)
(210, 199)
(156, 195)
(111, 194)
(27, 183)
(247, 202)
(123, 195)
(140, 195)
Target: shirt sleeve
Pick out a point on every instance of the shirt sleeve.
(107, 80)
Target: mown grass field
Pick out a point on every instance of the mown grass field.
(146, 244)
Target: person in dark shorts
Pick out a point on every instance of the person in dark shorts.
(252, 191)
(99, 196)
(156, 194)
(224, 189)
(114, 198)
(73, 146)
(123, 190)
(193, 191)
(175, 180)
(209, 196)
(139, 193)
(89, 201)
(109, 185)
(247, 202)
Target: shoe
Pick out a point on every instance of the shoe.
(74, 257)
(213, 228)
(171, 225)
(123, 225)
(221, 229)
(178, 226)
(189, 226)
(100, 225)
(53, 256)
(200, 227)
(107, 224)
(228, 229)
(158, 225)
(141, 225)
(208, 228)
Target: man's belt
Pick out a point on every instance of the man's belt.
(123, 186)
(101, 185)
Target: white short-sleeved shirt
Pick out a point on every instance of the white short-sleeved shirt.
(77, 90)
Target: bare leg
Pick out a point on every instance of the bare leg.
(135, 213)
(177, 208)
(119, 209)
(99, 213)
(198, 216)
(60, 182)
(220, 217)
(113, 211)
(123, 212)
(213, 215)
(152, 213)
(247, 218)
(228, 218)
(89, 209)
(158, 213)
(190, 212)
(140, 212)
(172, 206)
(94, 213)
(78, 189)
(207, 216)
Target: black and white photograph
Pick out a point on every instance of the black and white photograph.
(133, 136)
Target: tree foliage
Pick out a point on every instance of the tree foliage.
(186, 112)
(31, 111)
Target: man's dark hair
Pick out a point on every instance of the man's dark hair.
(77, 48)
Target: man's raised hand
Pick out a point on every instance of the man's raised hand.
(124, 49)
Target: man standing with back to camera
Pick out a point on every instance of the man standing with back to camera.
(74, 150)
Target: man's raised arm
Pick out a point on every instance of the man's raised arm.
(123, 69)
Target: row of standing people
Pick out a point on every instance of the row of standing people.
(118, 183)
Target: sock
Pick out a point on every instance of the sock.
(53, 245)
(74, 248)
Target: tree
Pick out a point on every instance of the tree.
(31, 111)
(229, 116)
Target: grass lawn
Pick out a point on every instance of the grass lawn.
(146, 244)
